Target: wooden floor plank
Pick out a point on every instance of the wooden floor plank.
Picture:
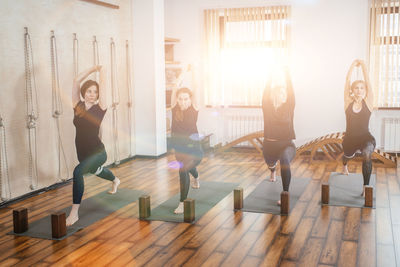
(239, 252)
(348, 254)
(311, 253)
(275, 253)
(352, 224)
(299, 239)
(367, 247)
(208, 247)
(214, 260)
(331, 249)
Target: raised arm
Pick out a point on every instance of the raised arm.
(347, 86)
(369, 98)
(102, 87)
(266, 93)
(76, 87)
(289, 89)
(173, 97)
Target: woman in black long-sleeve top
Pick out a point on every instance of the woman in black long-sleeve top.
(185, 141)
(278, 110)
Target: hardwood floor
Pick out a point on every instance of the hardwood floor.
(310, 236)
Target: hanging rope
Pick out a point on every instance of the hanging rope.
(115, 102)
(96, 59)
(31, 108)
(57, 109)
(128, 86)
(76, 55)
(4, 177)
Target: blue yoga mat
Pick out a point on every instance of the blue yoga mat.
(345, 190)
(264, 197)
(91, 210)
(206, 197)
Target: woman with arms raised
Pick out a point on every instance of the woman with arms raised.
(358, 105)
(88, 115)
(278, 110)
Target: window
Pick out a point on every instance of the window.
(385, 52)
(243, 45)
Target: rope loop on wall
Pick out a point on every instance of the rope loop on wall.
(115, 101)
(4, 175)
(31, 108)
(57, 108)
(129, 89)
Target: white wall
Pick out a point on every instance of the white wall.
(326, 37)
(65, 17)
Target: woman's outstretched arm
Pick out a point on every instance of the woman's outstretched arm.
(76, 87)
(289, 88)
(102, 87)
(369, 98)
(347, 86)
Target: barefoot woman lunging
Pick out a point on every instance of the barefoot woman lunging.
(88, 115)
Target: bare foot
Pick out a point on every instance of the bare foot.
(71, 220)
(363, 191)
(345, 171)
(179, 209)
(73, 215)
(196, 183)
(273, 177)
(115, 185)
(278, 203)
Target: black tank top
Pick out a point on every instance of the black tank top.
(184, 133)
(357, 124)
(278, 123)
(87, 124)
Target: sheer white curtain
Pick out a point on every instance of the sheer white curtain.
(243, 45)
(385, 52)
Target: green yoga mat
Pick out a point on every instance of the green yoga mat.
(345, 190)
(206, 197)
(263, 199)
(91, 210)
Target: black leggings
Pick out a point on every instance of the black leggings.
(284, 151)
(92, 164)
(188, 164)
(366, 153)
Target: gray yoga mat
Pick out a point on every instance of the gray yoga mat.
(264, 198)
(206, 197)
(91, 210)
(345, 190)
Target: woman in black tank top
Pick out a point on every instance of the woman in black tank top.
(358, 101)
(88, 115)
(278, 111)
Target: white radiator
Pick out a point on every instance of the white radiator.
(238, 125)
(391, 134)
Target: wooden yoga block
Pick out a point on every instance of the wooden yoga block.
(20, 220)
(58, 225)
(325, 193)
(369, 196)
(144, 206)
(285, 202)
(188, 210)
(238, 198)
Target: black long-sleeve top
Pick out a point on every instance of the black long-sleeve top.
(278, 123)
